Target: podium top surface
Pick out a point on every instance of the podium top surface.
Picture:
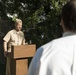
(23, 51)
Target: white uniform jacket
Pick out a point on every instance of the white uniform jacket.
(57, 57)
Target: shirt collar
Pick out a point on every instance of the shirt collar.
(16, 31)
(68, 33)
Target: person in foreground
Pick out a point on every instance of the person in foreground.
(13, 37)
(58, 57)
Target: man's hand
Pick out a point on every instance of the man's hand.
(5, 53)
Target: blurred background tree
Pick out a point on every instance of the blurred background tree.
(40, 18)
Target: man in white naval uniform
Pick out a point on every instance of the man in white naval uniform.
(58, 57)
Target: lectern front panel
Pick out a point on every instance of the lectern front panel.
(19, 67)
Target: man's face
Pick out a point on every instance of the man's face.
(18, 26)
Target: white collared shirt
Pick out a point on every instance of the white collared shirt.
(57, 57)
(68, 34)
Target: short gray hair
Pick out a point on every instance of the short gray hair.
(18, 20)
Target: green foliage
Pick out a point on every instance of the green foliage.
(40, 18)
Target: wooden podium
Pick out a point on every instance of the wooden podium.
(19, 57)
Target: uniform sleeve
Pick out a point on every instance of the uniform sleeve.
(7, 37)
